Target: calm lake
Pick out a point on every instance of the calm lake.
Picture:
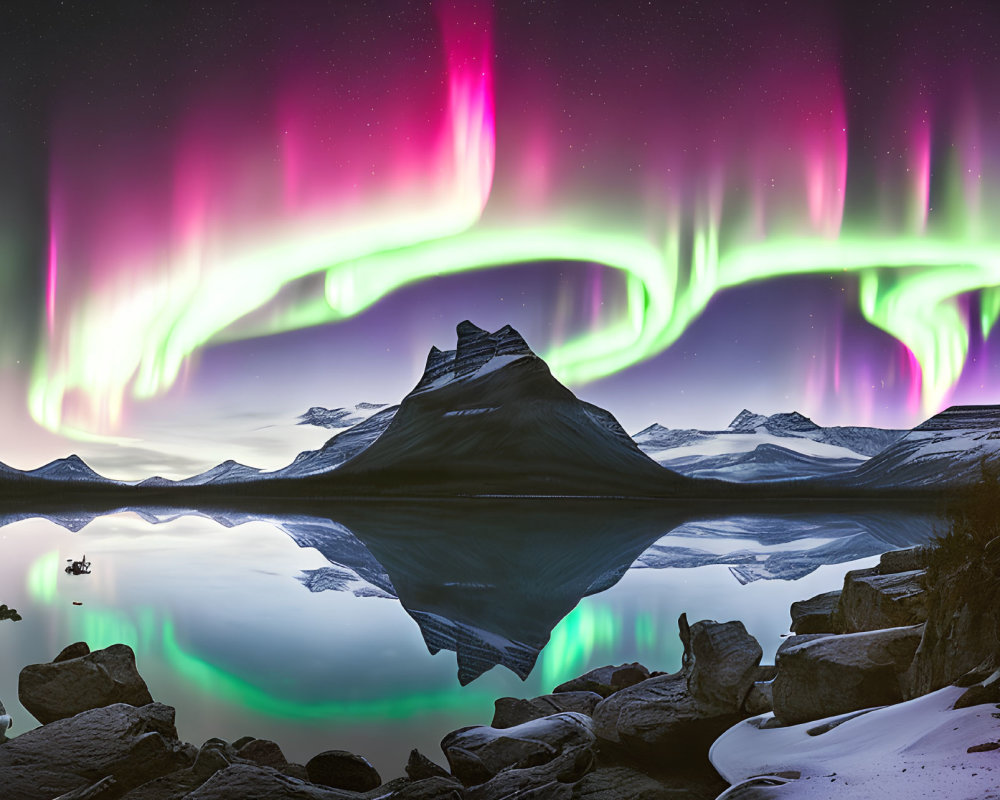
(377, 629)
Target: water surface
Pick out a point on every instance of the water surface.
(378, 629)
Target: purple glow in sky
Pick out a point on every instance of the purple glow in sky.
(220, 216)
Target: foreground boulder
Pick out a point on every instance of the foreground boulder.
(821, 676)
(60, 689)
(128, 744)
(673, 718)
(726, 658)
(479, 753)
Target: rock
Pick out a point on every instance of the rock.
(264, 752)
(132, 745)
(660, 720)
(605, 680)
(209, 760)
(254, 782)
(9, 613)
(984, 748)
(420, 767)
(871, 601)
(913, 558)
(58, 690)
(833, 675)
(479, 753)
(74, 650)
(819, 614)
(725, 660)
(511, 711)
(341, 769)
(760, 698)
(960, 633)
(243, 740)
(987, 691)
(549, 781)
(673, 718)
(619, 783)
(433, 788)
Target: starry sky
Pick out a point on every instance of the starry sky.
(215, 215)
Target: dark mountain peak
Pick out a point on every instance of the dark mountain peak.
(489, 418)
(475, 349)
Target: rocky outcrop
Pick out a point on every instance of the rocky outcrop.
(963, 624)
(668, 717)
(827, 675)
(61, 689)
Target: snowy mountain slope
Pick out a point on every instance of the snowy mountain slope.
(766, 462)
(756, 447)
(947, 449)
(227, 472)
(345, 445)
(71, 468)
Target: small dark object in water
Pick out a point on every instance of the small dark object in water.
(81, 567)
(77, 603)
(9, 613)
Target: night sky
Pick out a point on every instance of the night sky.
(215, 215)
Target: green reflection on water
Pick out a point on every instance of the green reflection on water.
(43, 578)
(222, 684)
(146, 634)
(585, 629)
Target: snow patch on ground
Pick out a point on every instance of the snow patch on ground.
(916, 749)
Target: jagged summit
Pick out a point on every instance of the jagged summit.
(748, 422)
(477, 352)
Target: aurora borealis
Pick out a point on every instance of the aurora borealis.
(702, 205)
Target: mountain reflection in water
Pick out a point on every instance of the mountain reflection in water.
(225, 613)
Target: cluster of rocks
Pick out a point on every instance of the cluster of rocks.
(9, 613)
(881, 639)
(616, 733)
